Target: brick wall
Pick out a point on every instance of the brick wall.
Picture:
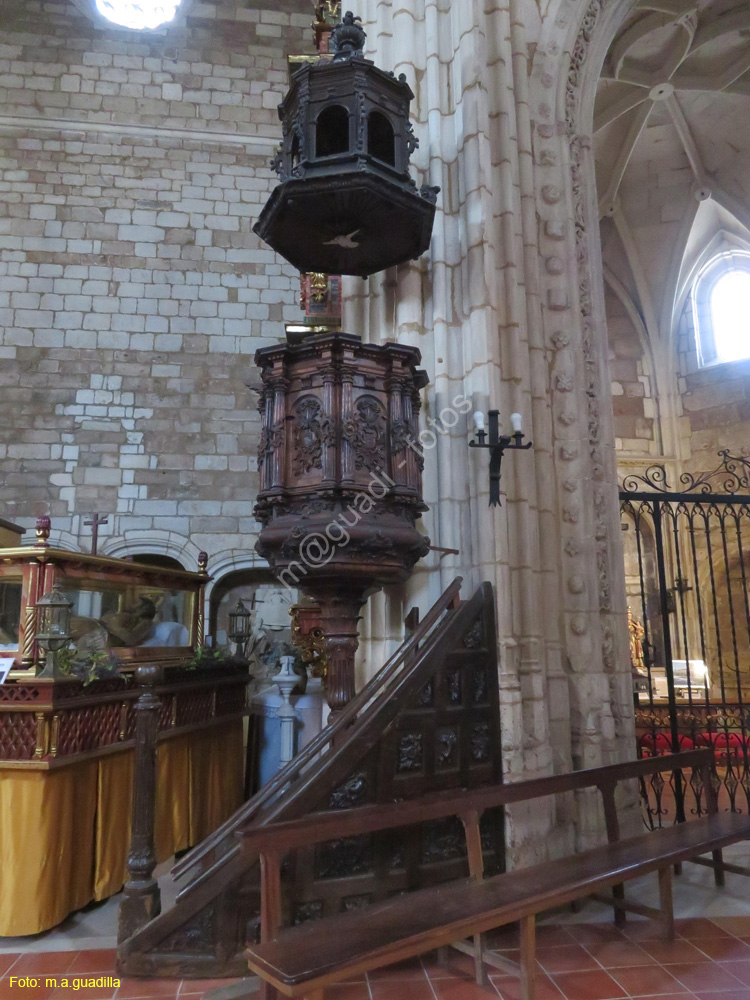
(133, 293)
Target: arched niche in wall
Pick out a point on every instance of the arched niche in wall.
(269, 602)
(156, 559)
(153, 544)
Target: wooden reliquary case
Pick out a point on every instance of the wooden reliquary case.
(131, 611)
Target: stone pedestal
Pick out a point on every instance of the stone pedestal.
(309, 710)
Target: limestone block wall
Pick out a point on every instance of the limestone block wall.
(133, 292)
(633, 402)
(137, 192)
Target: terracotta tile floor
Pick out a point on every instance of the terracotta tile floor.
(709, 960)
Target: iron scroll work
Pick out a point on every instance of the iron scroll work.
(687, 568)
(732, 475)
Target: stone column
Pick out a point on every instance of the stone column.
(507, 311)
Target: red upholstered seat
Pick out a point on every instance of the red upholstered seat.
(661, 743)
(730, 744)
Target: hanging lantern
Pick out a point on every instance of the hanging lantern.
(346, 203)
(240, 626)
(53, 617)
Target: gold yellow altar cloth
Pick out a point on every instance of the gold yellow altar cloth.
(65, 833)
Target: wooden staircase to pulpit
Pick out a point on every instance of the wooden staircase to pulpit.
(428, 721)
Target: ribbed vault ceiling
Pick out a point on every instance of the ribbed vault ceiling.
(672, 144)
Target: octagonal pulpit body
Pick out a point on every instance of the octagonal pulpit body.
(346, 203)
(339, 463)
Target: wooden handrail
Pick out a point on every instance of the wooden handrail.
(386, 698)
(322, 826)
(295, 767)
(337, 755)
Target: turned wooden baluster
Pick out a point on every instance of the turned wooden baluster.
(141, 900)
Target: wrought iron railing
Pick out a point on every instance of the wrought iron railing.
(687, 553)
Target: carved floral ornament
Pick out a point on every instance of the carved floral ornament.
(365, 432)
(312, 431)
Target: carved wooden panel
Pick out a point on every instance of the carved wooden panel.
(445, 735)
(85, 718)
(440, 731)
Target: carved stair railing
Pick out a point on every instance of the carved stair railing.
(203, 934)
(213, 852)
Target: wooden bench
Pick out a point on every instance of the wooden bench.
(301, 961)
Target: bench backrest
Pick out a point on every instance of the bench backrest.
(318, 827)
(274, 840)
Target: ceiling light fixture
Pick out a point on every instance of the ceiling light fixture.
(138, 14)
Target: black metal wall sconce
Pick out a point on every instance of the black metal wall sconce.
(497, 445)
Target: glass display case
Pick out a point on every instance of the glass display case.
(137, 611)
(67, 734)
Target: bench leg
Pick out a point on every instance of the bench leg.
(665, 901)
(618, 893)
(442, 955)
(480, 971)
(528, 957)
(718, 857)
(314, 995)
(267, 992)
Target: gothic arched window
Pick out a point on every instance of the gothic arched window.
(721, 309)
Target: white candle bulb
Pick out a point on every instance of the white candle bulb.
(516, 422)
(479, 421)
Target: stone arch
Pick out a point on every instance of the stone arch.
(63, 540)
(232, 561)
(229, 570)
(573, 42)
(155, 542)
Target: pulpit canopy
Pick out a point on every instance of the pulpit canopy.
(347, 203)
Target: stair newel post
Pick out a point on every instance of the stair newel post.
(141, 897)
